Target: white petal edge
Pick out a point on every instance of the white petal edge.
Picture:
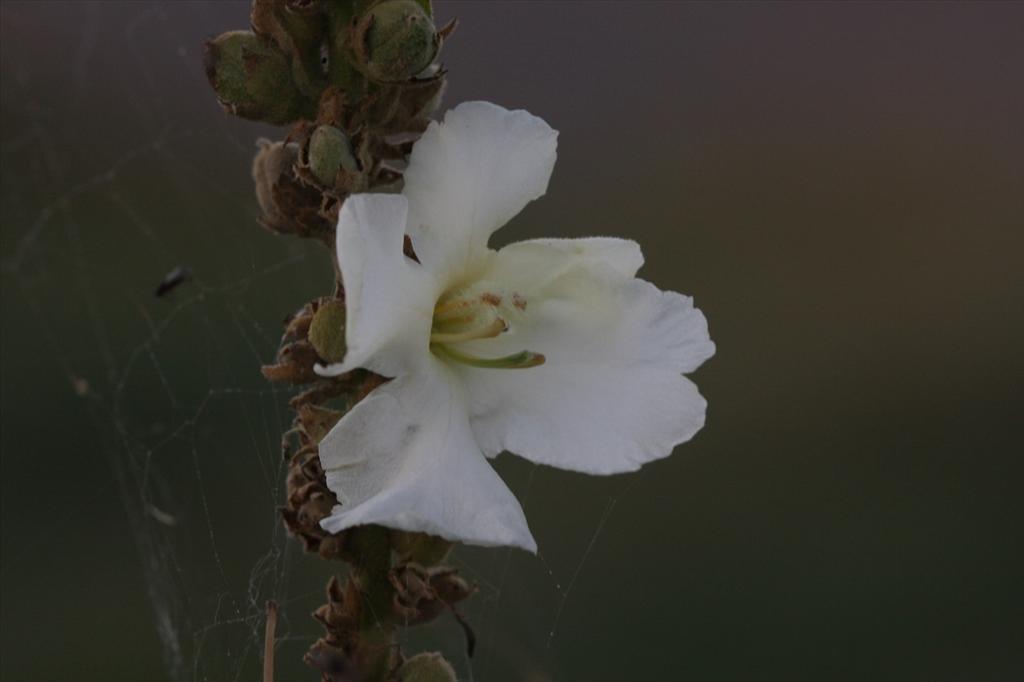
(405, 457)
(600, 424)
(471, 174)
(610, 395)
(535, 263)
(389, 299)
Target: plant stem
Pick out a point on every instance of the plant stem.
(268, 642)
(372, 551)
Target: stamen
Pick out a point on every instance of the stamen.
(455, 305)
(458, 306)
(486, 332)
(476, 313)
(520, 360)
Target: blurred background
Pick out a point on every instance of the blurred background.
(839, 185)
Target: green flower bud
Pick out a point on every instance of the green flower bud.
(427, 668)
(329, 151)
(327, 331)
(395, 40)
(253, 79)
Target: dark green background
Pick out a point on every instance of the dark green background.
(840, 185)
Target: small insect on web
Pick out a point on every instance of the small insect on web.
(172, 280)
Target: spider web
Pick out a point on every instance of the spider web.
(117, 168)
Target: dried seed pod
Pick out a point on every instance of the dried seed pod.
(316, 421)
(296, 326)
(290, 206)
(294, 364)
(309, 501)
(341, 613)
(422, 594)
(327, 658)
(272, 161)
(450, 587)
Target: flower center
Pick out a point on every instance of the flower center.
(472, 314)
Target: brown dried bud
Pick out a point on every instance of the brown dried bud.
(327, 658)
(308, 502)
(296, 325)
(327, 390)
(421, 594)
(294, 364)
(308, 498)
(273, 160)
(290, 206)
(340, 615)
(450, 587)
(316, 421)
(315, 507)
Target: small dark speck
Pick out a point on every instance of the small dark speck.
(173, 279)
(408, 434)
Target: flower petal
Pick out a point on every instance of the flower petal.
(389, 298)
(405, 457)
(470, 175)
(609, 396)
(533, 264)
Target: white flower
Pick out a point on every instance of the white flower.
(549, 349)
